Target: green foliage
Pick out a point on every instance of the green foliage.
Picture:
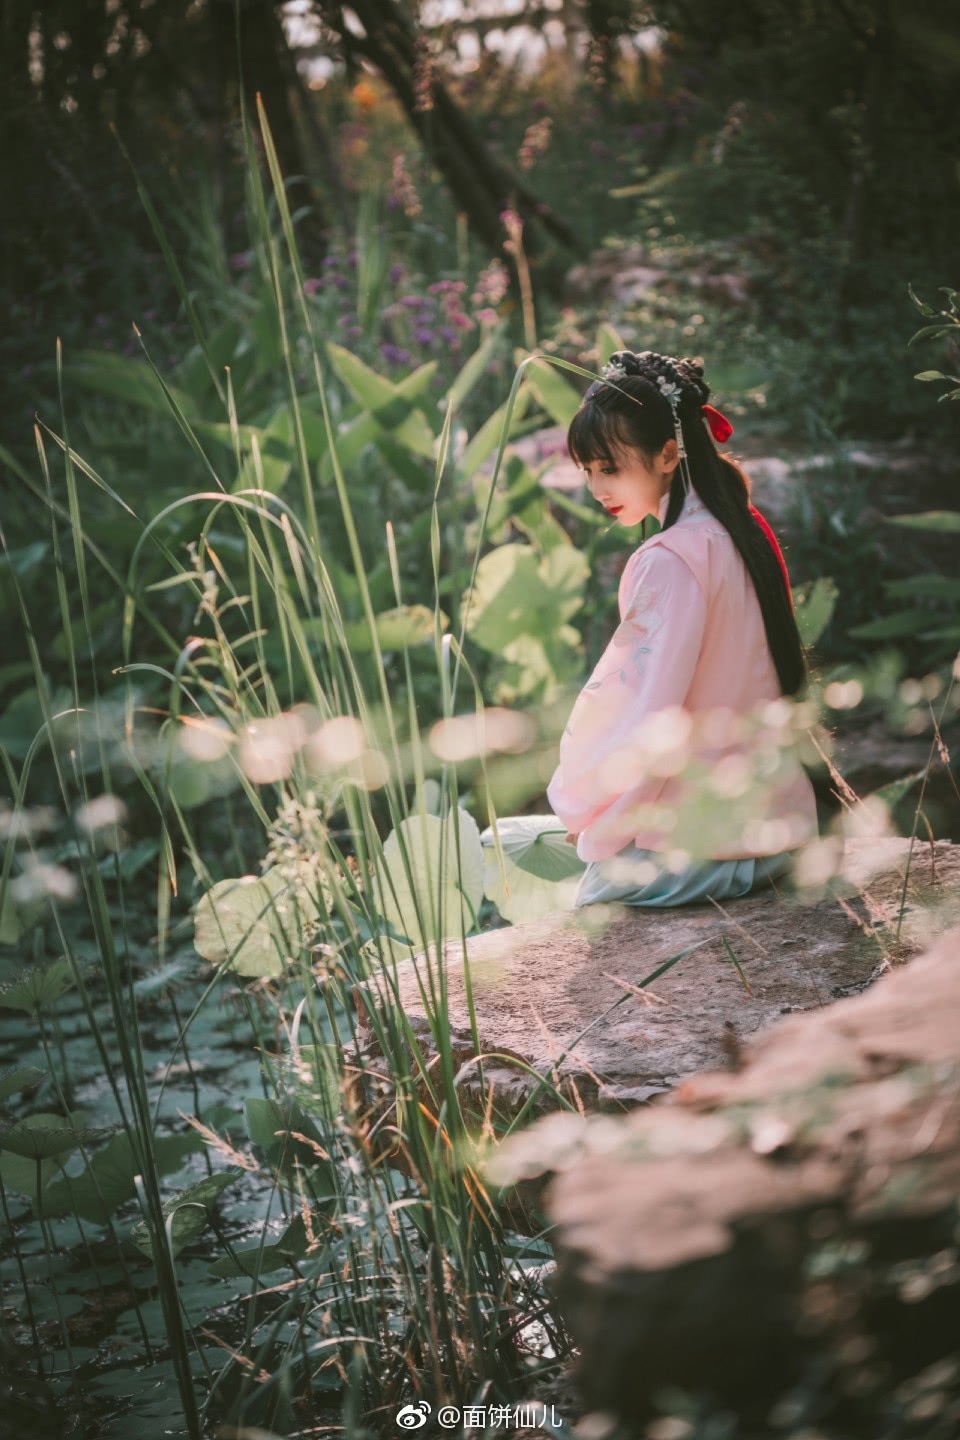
(256, 1260)
(18, 1077)
(10, 927)
(939, 521)
(755, 170)
(541, 869)
(185, 1215)
(108, 1180)
(400, 628)
(557, 396)
(256, 927)
(225, 583)
(35, 989)
(814, 606)
(43, 1137)
(939, 629)
(519, 610)
(433, 883)
(27, 1174)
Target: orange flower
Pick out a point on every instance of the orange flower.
(364, 95)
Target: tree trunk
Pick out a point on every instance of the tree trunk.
(262, 67)
(481, 186)
(855, 235)
(607, 21)
(17, 97)
(319, 141)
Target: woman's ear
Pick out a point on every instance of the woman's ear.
(670, 456)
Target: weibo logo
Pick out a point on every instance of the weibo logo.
(413, 1417)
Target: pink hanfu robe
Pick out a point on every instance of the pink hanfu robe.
(680, 743)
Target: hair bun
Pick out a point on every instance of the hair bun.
(692, 372)
(626, 360)
(687, 373)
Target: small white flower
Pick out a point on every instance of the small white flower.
(43, 881)
(100, 812)
(669, 391)
(613, 371)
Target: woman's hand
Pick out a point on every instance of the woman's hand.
(571, 838)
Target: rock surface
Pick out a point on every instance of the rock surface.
(901, 767)
(780, 1240)
(627, 276)
(546, 993)
(869, 755)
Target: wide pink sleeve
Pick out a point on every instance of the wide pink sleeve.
(647, 666)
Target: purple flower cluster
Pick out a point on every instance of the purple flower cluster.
(334, 287)
(334, 276)
(416, 323)
(512, 222)
(456, 320)
(536, 142)
(491, 284)
(394, 354)
(403, 192)
(599, 59)
(433, 321)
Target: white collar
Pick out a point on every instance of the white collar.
(692, 505)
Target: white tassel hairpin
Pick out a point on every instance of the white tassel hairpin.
(613, 371)
(672, 394)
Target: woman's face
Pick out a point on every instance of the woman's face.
(630, 486)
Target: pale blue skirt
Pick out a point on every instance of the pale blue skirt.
(698, 883)
(604, 881)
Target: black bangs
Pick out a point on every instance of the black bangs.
(632, 415)
(595, 434)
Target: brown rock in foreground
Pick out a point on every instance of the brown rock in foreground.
(793, 1225)
(546, 992)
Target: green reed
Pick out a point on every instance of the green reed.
(402, 1275)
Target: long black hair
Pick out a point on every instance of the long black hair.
(630, 411)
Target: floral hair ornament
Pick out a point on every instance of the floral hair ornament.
(670, 391)
(614, 371)
(623, 363)
(720, 427)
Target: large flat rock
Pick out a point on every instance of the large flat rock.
(785, 1236)
(546, 993)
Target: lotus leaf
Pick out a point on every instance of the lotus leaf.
(422, 836)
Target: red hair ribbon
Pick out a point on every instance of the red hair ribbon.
(772, 539)
(720, 427)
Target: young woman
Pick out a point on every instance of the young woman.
(678, 777)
